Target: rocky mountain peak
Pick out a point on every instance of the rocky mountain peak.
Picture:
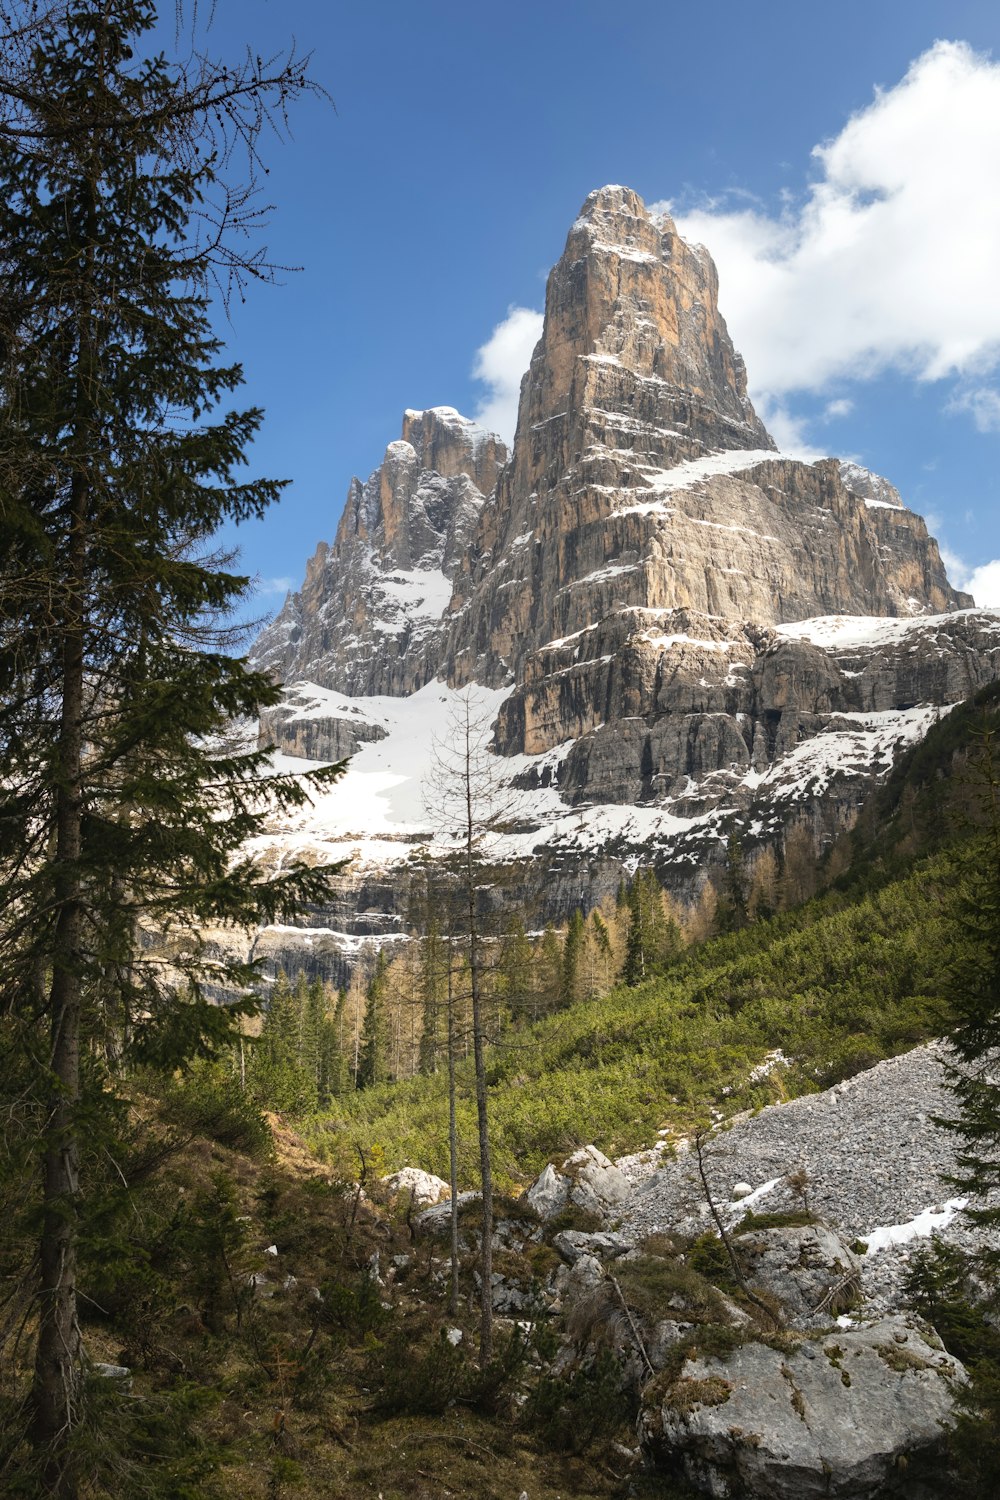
(367, 617)
(633, 334)
(675, 629)
(449, 444)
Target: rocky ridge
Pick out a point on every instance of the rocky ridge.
(671, 625)
(367, 619)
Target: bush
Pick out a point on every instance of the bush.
(208, 1100)
(796, 1218)
(571, 1412)
(419, 1379)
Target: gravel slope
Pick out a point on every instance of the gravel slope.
(870, 1148)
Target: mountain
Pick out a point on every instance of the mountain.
(677, 631)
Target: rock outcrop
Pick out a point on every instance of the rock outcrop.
(642, 480)
(586, 1180)
(841, 1416)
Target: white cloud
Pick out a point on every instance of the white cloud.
(833, 410)
(275, 585)
(500, 363)
(982, 582)
(788, 431)
(983, 404)
(891, 259)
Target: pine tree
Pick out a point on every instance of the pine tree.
(572, 985)
(548, 973)
(649, 938)
(284, 1065)
(433, 982)
(336, 1074)
(373, 1066)
(517, 972)
(466, 800)
(734, 899)
(122, 806)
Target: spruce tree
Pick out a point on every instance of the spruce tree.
(373, 1065)
(548, 974)
(124, 810)
(517, 976)
(433, 983)
(573, 978)
(649, 939)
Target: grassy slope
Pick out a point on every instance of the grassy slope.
(835, 985)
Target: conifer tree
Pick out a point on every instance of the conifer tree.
(336, 1063)
(284, 1066)
(650, 939)
(517, 971)
(433, 981)
(734, 898)
(548, 973)
(122, 807)
(465, 798)
(573, 978)
(373, 1066)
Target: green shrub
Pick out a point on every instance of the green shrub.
(572, 1412)
(208, 1101)
(420, 1379)
(796, 1218)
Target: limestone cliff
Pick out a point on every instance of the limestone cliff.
(674, 628)
(367, 618)
(643, 481)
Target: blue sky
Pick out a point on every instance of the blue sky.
(857, 233)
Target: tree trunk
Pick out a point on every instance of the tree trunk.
(452, 1148)
(57, 1375)
(482, 1113)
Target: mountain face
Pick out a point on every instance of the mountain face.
(367, 620)
(669, 622)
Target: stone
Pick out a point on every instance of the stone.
(587, 1179)
(548, 1194)
(596, 1184)
(436, 1220)
(572, 1243)
(585, 1275)
(774, 1425)
(809, 1270)
(423, 1188)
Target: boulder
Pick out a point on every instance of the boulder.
(587, 1179)
(548, 1194)
(436, 1220)
(423, 1187)
(572, 1243)
(596, 1184)
(807, 1269)
(837, 1417)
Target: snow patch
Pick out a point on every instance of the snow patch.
(921, 1227)
(693, 471)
